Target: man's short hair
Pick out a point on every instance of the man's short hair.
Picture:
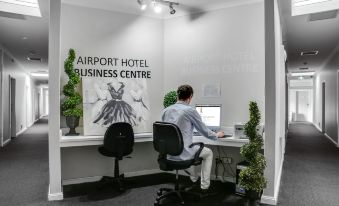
(184, 92)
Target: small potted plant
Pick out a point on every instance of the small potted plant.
(170, 98)
(252, 177)
(70, 107)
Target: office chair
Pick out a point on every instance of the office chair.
(118, 142)
(167, 140)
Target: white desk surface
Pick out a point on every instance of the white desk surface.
(78, 141)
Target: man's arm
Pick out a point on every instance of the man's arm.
(201, 127)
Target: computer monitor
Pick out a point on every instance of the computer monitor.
(210, 115)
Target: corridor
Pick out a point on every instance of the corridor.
(24, 168)
(311, 168)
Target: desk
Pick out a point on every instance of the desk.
(77, 151)
(78, 141)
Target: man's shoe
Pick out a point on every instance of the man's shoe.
(194, 187)
(207, 192)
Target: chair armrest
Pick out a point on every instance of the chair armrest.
(197, 154)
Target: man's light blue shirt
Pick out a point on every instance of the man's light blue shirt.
(186, 118)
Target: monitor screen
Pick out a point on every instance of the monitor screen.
(210, 114)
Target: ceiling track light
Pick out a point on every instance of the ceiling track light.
(142, 4)
(157, 5)
(172, 10)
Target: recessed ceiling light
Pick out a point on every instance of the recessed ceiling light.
(39, 74)
(24, 38)
(308, 2)
(298, 74)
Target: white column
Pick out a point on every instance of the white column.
(55, 186)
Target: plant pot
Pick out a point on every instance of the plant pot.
(72, 123)
(253, 195)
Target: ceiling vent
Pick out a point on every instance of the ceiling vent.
(309, 53)
(303, 68)
(323, 15)
(34, 59)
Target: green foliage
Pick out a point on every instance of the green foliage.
(73, 100)
(252, 178)
(170, 98)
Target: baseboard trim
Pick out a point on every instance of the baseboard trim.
(6, 142)
(54, 196)
(22, 131)
(269, 200)
(273, 200)
(317, 127)
(97, 178)
(331, 140)
(81, 180)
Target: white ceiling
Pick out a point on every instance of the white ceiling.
(13, 27)
(302, 35)
(16, 27)
(185, 6)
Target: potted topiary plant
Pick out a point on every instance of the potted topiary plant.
(252, 177)
(70, 107)
(170, 98)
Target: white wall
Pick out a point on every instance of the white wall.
(169, 47)
(223, 47)
(114, 34)
(23, 95)
(328, 74)
(1, 114)
(275, 100)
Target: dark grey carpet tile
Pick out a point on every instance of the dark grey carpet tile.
(311, 168)
(24, 180)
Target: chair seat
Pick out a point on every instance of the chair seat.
(108, 153)
(178, 165)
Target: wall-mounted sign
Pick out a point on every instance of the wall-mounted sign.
(112, 67)
(114, 90)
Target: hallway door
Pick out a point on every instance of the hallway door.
(12, 109)
(323, 109)
(304, 106)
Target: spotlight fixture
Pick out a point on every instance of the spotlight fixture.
(142, 4)
(156, 6)
(172, 10)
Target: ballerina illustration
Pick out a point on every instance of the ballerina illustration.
(116, 109)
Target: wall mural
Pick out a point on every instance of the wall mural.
(109, 100)
(114, 90)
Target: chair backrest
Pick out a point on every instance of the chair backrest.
(167, 138)
(119, 139)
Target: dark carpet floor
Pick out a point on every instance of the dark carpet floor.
(24, 180)
(311, 169)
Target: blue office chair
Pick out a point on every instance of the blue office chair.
(167, 140)
(118, 142)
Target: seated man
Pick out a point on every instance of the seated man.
(187, 118)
